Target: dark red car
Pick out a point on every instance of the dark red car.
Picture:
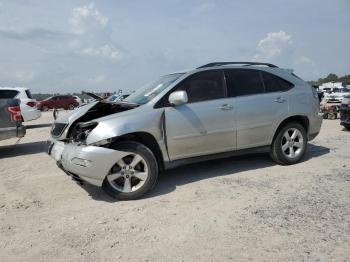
(61, 101)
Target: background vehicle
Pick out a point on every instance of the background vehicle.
(61, 101)
(11, 119)
(115, 98)
(345, 112)
(28, 104)
(337, 95)
(77, 98)
(219, 109)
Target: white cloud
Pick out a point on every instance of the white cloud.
(273, 45)
(85, 17)
(104, 51)
(304, 60)
(204, 8)
(23, 77)
(97, 79)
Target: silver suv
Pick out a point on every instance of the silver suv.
(216, 110)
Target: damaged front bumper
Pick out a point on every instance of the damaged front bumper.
(84, 163)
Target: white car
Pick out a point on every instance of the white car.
(77, 98)
(28, 107)
(337, 95)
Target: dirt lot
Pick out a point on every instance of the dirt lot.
(240, 209)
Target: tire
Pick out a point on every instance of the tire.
(45, 108)
(347, 127)
(71, 107)
(332, 116)
(119, 188)
(282, 149)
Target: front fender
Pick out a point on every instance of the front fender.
(149, 121)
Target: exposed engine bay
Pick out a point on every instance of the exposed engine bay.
(80, 129)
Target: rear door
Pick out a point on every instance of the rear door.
(59, 102)
(259, 106)
(205, 125)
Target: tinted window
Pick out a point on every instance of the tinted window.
(274, 83)
(62, 97)
(285, 85)
(8, 94)
(242, 82)
(208, 85)
(29, 95)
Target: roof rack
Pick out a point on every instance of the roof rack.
(235, 63)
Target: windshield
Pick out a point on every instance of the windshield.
(112, 98)
(150, 91)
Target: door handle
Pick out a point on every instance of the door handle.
(226, 107)
(280, 100)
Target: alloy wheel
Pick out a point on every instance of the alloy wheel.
(129, 174)
(292, 143)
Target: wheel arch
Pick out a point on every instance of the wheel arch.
(146, 139)
(303, 120)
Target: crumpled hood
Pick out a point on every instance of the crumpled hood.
(92, 112)
(76, 113)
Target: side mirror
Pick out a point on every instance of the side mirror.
(178, 98)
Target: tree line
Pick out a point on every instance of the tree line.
(331, 78)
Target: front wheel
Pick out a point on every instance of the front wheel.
(289, 144)
(133, 175)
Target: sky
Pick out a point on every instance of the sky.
(65, 46)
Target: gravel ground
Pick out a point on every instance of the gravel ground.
(240, 209)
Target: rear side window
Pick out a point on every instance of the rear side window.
(202, 86)
(29, 94)
(275, 84)
(242, 82)
(8, 94)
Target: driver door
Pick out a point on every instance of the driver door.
(206, 124)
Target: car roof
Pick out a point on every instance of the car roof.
(237, 65)
(14, 88)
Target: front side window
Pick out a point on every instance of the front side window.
(242, 82)
(202, 86)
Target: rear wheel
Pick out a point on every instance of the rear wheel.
(71, 107)
(289, 144)
(133, 175)
(347, 127)
(45, 108)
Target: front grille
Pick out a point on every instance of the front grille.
(57, 129)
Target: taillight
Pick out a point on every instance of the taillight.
(15, 113)
(31, 104)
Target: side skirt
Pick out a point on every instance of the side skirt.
(191, 160)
